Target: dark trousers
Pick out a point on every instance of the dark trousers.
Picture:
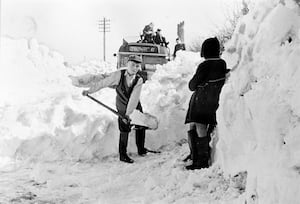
(140, 134)
(139, 139)
(123, 140)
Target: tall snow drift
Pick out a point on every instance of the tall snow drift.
(259, 114)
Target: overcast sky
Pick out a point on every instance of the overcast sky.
(70, 26)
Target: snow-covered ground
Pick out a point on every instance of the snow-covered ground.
(151, 179)
(57, 146)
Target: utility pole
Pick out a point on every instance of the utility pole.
(0, 15)
(103, 28)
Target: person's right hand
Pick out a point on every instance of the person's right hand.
(126, 119)
(85, 92)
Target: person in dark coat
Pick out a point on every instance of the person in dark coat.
(206, 85)
(178, 46)
(128, 84)
(148, 38)
(159, 39)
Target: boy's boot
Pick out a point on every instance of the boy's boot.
(140, 141)
(123, 141)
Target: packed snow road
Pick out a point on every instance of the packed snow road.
(155, 178)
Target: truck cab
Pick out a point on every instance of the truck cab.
(152, 54)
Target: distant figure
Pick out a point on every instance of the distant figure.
(147, 36)
(178, 46)
(159, 39)
(148, 29)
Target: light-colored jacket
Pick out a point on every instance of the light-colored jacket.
(113, 79)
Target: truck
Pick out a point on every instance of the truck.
(152, 54)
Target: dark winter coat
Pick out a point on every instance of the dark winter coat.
(206, 85)
(179, 46)
(148, 38)
(160, 40)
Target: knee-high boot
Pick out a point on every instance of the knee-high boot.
(123, 141)
(140, 141)
(200, 154)
(191, 135)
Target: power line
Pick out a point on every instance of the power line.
(104, 27)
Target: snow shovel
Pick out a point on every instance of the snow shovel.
(124, 119)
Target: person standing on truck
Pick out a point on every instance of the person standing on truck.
(128, 85)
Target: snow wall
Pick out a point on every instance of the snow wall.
(259, 114)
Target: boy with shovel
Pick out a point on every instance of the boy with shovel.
(128, 85)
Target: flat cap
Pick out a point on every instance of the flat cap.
(135, 58)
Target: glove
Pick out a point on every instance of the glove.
(85, 92)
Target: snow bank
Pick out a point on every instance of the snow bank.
(45, 118)
(166, 96)
(259, 110)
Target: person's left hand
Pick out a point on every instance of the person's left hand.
(85, 92)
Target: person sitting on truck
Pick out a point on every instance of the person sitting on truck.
(159, 39)
(147, 36)
(148, 28)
